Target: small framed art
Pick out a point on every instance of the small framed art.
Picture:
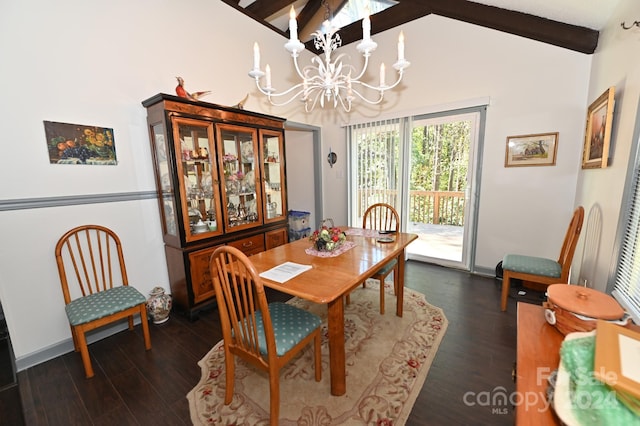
(598, 133)
(80, 144)
(531, 150)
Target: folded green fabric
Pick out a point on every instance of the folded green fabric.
(592, 402)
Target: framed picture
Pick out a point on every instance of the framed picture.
(531, 150)
(598, 134)
(80, 144)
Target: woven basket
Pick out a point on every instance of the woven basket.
(565, 321)
(566, 302)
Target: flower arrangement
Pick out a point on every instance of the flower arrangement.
(327, 239)
(229, 158)
(236, 176)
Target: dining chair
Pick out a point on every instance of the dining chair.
(539, 269)
(383, 217)
(267, 335)
(95, 286)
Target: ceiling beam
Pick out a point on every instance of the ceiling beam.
(265, 8)
(235, 5)
(576, 38)
(573, 37)
(308, 12)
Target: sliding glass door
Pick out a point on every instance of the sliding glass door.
(424, 166)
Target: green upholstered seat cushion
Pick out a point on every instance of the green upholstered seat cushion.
(387, 268)
(98, 305)
(532, 265)
(290, 326)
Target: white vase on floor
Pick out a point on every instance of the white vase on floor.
(159, 305)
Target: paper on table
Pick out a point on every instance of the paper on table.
(284, 272)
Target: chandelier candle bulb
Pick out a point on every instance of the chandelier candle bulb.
(401, 46)
(256, 56)
(268, 77)
(293, 25)
(382, 72)
(366, 24)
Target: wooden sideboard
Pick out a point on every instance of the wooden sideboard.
(538, 354)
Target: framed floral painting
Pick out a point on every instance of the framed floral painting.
(598, 134)
(80, 144)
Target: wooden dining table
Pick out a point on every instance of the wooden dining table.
(332, 278)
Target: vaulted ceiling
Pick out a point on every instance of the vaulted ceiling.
(544, 29)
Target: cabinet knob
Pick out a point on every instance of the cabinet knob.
(249, 244)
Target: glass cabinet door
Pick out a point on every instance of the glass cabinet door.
(198, 177)
(238, 160)
(167, 199)
(274, 205)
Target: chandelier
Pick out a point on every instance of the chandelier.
(326, 80)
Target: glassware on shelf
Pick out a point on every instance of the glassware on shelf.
(206, 183)
(233, 187)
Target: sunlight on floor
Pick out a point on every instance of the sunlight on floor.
(436, 241)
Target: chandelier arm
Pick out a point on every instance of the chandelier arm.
(271, 95)
(381, 88)
(309, 106)
(364, 67)
(346, 106)
(362, 97)
(272, 92)
(295, 62)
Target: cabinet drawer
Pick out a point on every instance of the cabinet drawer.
(275, 238)
(250, 245)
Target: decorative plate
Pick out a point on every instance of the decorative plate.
(249, 180)
(247, 152)
(385, 240)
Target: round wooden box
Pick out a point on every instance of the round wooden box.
(574, 308)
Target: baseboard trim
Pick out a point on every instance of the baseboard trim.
(487, 272)
(58, 349)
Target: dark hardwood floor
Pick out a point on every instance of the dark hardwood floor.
(135, 387)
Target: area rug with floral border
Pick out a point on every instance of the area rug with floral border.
(387, 358)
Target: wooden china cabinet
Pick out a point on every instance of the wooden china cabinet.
(220, 177)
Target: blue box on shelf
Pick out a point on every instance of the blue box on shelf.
(298, 220)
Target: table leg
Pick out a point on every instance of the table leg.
(335, 324)
(400, 292)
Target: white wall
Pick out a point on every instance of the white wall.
(300, 178)
(533, 87)
(615, 63)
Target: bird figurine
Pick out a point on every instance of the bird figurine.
(182, 92)
(240, 105)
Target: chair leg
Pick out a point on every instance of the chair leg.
(74, 337)
(145, 326)
(317, 356)
(274, 395)
(382, 296)
(348, 298)
(84, 353)
(506, 283)
(396, 283)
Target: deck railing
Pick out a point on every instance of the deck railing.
(434, 207)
